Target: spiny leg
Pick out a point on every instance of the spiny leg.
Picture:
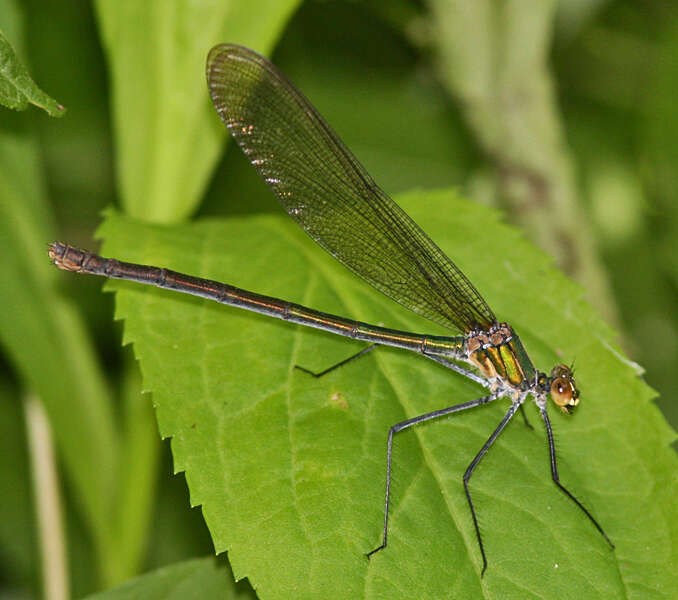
(556, 478)
(389, 448)
(471, 468)
(339, 364)
(458, 369)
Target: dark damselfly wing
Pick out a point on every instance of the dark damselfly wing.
(330, 194)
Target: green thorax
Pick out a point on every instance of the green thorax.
(500, 353)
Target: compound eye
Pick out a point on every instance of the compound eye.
(564, 394)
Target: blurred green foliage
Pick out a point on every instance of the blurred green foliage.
(374, 71)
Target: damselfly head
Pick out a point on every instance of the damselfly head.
(564, 392)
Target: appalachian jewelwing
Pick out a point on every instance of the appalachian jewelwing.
(327, 191)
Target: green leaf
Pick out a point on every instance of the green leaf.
(46, 342)
(289, 470)
(17, 89)
(18, 551)
(135, 500)
(200, 578)
(111, 477)
(167, 139)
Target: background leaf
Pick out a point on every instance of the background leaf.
(289, 470)
(17, 529)
(202, 578)
(17, 89)
(45, 339)
(167, 140)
